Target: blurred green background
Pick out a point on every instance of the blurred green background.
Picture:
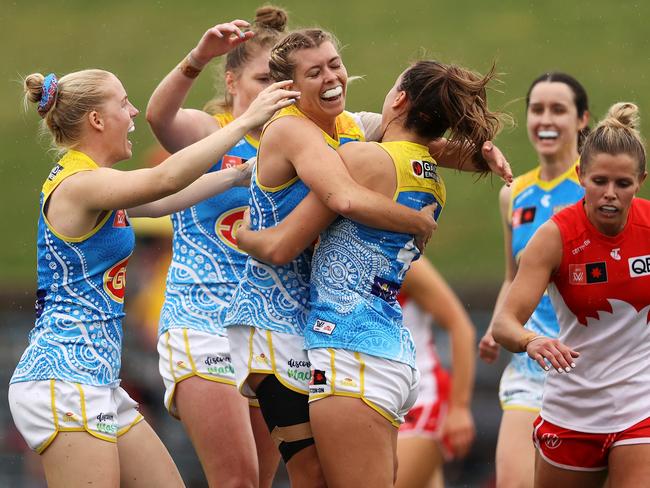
(604, 44)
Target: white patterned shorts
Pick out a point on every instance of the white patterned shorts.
(42, 409)
(518, 391)
(184, 353)
(262, 351)
(388, 387)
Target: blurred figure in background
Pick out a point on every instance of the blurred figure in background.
(207, 265)
(439, 426)
(557, 119)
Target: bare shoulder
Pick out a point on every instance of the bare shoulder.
(362, 153)
(545, 247)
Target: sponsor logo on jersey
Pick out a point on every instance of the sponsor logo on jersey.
(55, 171)
(639, 266)
(115, 280)
(384, 289)
(324, 326)
(523, 215)
(581, 247)
(545, 201)
(424, 169)
(552, 441)
(229, 161)
(227, 225)
(587, 274)
(318, 377)
(614, 253)
(120, 219)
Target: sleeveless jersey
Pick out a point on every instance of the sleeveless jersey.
(533, 202)
(419, 323)
(601, 293)
(357, 270)
(206, 262)
(78, 333)
(277, 297)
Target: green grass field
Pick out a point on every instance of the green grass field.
(603, 43)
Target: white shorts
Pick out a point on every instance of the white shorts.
(187, 352)
(42, 409)
(520, 392)
(263, 351)
(389, 387)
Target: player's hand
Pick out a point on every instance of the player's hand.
(488, 349)
(267, 102)
(243, 172)
(220, 39)
(429, 225)
(497, 162)
(458, 430)
(545, 350)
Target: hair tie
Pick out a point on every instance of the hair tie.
(48, 94)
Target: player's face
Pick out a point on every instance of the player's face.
(249, 81)
(610, 183)
(117, 114)
(321, 78)
(552, 119)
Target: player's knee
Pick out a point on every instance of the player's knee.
(286, 414)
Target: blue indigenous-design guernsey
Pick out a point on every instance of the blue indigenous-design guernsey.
(357, 270)
(270, 297)
(79, 306)
(206, 263)
(533, 202)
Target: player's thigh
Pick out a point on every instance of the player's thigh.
(549, 476)
(629, 466)
(145, 461)
(515, 455)
(268, 455)
(77, 459)
(418, 460)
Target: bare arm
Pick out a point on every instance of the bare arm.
(109, 189)
(323, 171)
(539, 260)
(448, 155)
(206, 186)
(177, 127)
(282, 243)
(432, 294)
(488, 348)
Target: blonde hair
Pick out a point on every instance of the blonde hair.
(269, 26)
(616, 134)
(282, 64)
(77, 94)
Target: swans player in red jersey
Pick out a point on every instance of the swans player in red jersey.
(595, 258)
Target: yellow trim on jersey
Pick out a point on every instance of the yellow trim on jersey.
(403, 154)
(226, 118)
(345, 125)
(71, 163)
(525, 181)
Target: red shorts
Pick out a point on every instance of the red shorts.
(581, 451)
(425, 419)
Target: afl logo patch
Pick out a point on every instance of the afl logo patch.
(120, 219)
(115, 280)
(227, 225)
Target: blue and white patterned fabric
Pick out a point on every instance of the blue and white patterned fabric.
(206, 263)
(533, 202)
(357, 271)
(79, 307)
(270, 297)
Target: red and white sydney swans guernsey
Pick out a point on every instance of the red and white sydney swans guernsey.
(601, 294)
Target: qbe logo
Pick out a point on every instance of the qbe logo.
(639, 266)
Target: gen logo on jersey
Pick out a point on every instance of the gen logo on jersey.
(227, 225)
(115, 280)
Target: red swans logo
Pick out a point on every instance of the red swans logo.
(227, 225)
(115, 280)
